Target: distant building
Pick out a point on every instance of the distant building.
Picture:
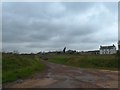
(108, 49)
(71, 51)
(94, 52)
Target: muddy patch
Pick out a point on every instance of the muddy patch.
(32, 83)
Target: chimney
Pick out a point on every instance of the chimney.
(113, 45)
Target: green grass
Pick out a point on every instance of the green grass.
(109, 62)
(19, 66)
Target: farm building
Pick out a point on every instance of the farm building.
(94, 52)
(108, 49)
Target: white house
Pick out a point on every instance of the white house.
(108, 49)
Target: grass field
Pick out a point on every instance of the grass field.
(16, 66)
(109, 62)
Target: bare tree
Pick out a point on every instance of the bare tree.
(64, 49)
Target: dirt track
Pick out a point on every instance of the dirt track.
(61, 76)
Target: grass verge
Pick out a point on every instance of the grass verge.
(15, 66)
(109, 62)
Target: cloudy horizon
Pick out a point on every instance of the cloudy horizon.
(39, 26)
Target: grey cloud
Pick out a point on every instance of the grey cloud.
(51, 26)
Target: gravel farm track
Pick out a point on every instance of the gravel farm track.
(61, 76)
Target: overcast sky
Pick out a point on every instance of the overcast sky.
(34, 27)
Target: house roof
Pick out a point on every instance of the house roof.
(107, 47)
